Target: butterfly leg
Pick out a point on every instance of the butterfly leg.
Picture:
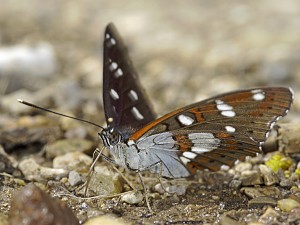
(160, 176)
(145, 193)
(91, 171)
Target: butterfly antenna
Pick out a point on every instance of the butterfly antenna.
(60, 114)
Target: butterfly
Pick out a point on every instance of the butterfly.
(209, 134)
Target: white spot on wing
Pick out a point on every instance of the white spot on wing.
(184, 160)
(114, 94)
(230, 129)
(226, 110)
(113, 41)
(136, 113)
(107, 36)
(185, 120)
(189, 155)
(258, 96)
(113, 66)
(228, 113)
(200, 150)
(118, 73)
(133, 95)
(222, 106)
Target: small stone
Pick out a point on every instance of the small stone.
(251, 192)
(104, 182)
(262, 201)
(176, 189)
(269, 216)
(107, 220)
(235, 184)
(64, 146)
(77, 161)
(40, 209)
(243, 166)
(268, 175)
(286, 183)
(133, 197)
(251, 177)
(226, 220)
(74, 178)
(172, 189)
(294, 215)
(35, 172)
(287, 204)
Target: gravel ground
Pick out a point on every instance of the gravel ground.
(184, 51)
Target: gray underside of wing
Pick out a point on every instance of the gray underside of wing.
(158, 154)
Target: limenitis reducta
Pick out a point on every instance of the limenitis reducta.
(205, 135)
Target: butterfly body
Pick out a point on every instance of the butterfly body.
(209, 134)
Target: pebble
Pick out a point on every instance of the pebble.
(226, 220)
(294, 215)
(74, 178)
(133, 197)
(261, 201)
(76, 161)
(287, 204)
(254, 192)
(286, 183)
(104, 182)
(107, 220)
(173, 189)
(62, 147)
(268, 175)
(243, 166)
(40, 209)
(269, 216)
(251, 177)
(235, 184)
(35, 172)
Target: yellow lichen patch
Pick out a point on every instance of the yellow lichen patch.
(279, 161)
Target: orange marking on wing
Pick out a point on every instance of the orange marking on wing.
(150, 125)
(184, 143)
(198, 114)
(222, 135)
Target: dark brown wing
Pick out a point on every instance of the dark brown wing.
(220, 130)
(126, 105)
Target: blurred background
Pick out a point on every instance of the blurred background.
(184, 51)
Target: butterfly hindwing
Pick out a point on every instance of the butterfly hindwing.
(126, 105)
(220, 130)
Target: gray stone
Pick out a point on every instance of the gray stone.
(261, 201)
(104, 182)
(133, 197)
(74, 178)
(243, 166)
(268, 175)
(77, 161)
(254, 192)
(35, 172)
(251, 177)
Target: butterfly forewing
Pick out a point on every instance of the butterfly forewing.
(220, 130)
(126, 105)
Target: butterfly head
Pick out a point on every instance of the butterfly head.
(110, 137)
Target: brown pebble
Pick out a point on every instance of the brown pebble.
(40, 209)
